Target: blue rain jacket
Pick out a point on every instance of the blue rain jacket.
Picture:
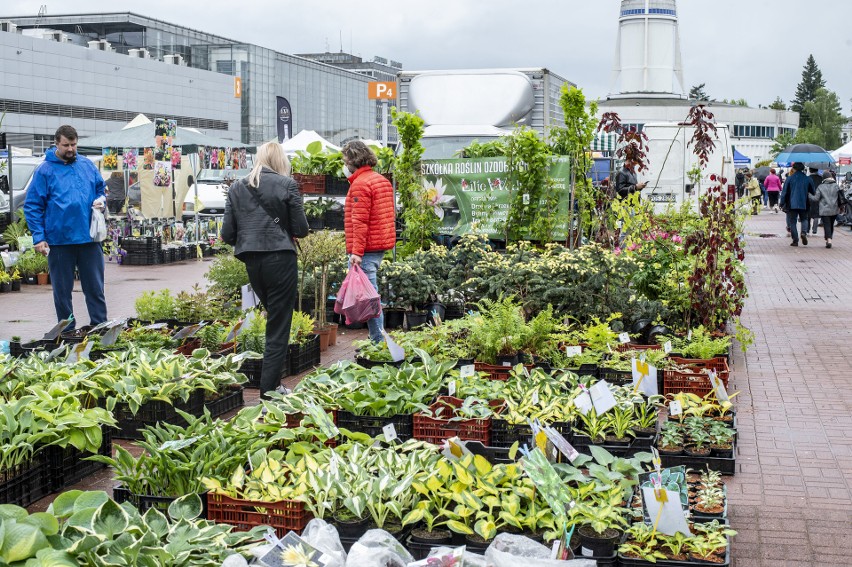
(59, 200)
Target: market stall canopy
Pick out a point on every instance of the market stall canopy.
(300, 142)
(138, 121)
(142, 136)
(741, 160)
(604, 142)
(375, 143)
(843, 154)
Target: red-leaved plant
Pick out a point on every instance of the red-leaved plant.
(717, 284)
(632, 144)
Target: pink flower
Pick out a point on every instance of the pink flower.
(633, 247)
(617, 251)
(677, 239)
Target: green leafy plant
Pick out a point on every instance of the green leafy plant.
(155, 305)
(228, 275)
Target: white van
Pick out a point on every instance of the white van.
(670, 158)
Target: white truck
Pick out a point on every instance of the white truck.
(670, 159)
(460, 106)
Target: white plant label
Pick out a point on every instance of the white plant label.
(719, 388)
(451, 388)
(397, 352)
(562, 444)
(390, 432)
(675, 409)
(672, 519)
(526, 198)
(624, 338)
(573, 350)
(689, 335)
(583, 403)
(111, 336)
(507, 364)
(467, 371)
(602, 397)
(667, 347)
(535, 397)
(644, 377)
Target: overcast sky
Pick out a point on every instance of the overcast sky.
(752, 49)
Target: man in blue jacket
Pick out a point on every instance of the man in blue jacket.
(794, 200)
(59, 211)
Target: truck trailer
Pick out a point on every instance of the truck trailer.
(460, 106)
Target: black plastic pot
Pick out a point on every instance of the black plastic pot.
(464, 362)
(352, 528)
(433, 309)
(416, 319)
(394, 318)
(668, 452)
(5, 287)
(316, 223)
(641, 327)
(16, 285)
(657, 331)
(593, 544)
(723, 453)
(433, 538)
(511, 359)
(690, 451)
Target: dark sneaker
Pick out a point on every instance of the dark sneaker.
(794, 243)
(804, 239)
(828, 244)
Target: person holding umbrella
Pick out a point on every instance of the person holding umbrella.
(794, 201)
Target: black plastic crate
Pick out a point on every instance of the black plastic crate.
(494, 455)
(305, 356)
(15, 348)
(725, 465)
(334, 220)
(39, 345)
(582, 443)
(26, 483)
(505, 434)
(615, 377)
(68, 467)
(336, 185)
(230, 399)
(373, 426)
(252, 368)
(154, 412)
(144, 502)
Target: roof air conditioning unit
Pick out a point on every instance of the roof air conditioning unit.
(8, 26)
(175, 59)
(57, 36)
(140, 53)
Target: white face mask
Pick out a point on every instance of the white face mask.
(346, 171)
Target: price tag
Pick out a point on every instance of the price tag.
(188, 331)
(602, 397)
(535, 397)
(467, 371)
(619, 224)
(584, 403)
(667, 347)
(644, 377)
(397, 352)
(56, 352)
(451, 388)
(507, 364)
(111, 336)
(562, 444)
(526, 198)
(624, 338)
(235, 331)
(689, 335)
(58, 328)
(675, 409)
(390, 432)
(573, 350)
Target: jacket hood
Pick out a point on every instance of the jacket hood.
(829, 180)
(51, 156)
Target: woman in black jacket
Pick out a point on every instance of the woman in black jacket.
(263, 217)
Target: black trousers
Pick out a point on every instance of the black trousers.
(274, 278)
(828, 226)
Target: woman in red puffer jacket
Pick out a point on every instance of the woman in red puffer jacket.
(369, 217)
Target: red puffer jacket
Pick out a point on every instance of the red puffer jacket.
(369, 213)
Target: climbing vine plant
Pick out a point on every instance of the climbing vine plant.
(533, 204)
(420, 223)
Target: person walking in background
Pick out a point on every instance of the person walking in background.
(369, 218)
(264, 216)
(813, 208)
(773, 189)
(740, 181)
(831, 202)
(115, 192)
(752, 188)
(625, 181)
(794, 201)
(63, 191)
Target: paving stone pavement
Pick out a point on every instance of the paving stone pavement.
(791, 499)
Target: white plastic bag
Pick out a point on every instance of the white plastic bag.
(97, 226)
(325, 539)
(510, 550)
(377, 548)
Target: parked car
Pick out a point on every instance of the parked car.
(22, 173)
(212, 187)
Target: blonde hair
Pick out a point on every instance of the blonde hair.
(269, 155)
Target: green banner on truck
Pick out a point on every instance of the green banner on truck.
(474, 195)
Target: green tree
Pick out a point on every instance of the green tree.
(812, 81)
(698, 93)
(826, 121)
(782, 142)
(778, 104)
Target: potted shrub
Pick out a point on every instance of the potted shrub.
(699, 438)
(29, 265)
(671, 439)
(16, 279)
(601, 518)
(315, 210)
(408, 287)
(308, 168)
(319, 251)
(5, 281)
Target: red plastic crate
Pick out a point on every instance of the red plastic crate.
(497, 372)
(631, 346)
(283, 516)
(436, 430)
(314, 184)
(696, 381)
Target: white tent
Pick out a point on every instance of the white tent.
(376, 143)
(300, 142)
(843, 151)
(139, 120)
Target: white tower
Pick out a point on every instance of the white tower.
(647, 57)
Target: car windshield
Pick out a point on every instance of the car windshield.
(21, 173)
(220, 175)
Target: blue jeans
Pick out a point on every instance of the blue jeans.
(370, 263)
(88, 259)
(800, 216)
